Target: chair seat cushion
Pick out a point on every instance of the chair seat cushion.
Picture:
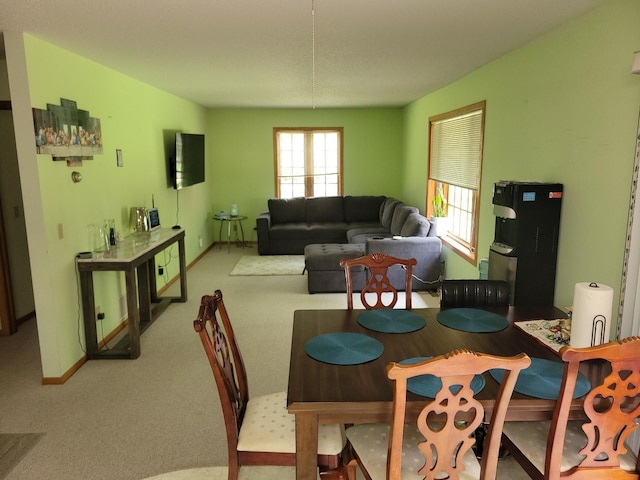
(371, 442)
(269, 427)
(531, 440)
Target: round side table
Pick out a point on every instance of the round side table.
(237, 220)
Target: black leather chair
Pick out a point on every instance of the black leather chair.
(474, 293)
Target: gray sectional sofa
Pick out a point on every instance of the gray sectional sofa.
(326, 229)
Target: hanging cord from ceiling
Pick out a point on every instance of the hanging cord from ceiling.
(313, 54)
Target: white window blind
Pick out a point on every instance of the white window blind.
(456, 150)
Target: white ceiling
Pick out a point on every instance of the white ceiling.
(259, 53)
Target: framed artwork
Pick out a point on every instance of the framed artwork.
(67, 133)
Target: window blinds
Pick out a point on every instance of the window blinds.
(456, 150)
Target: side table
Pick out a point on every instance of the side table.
(237, 220)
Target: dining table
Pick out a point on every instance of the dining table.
(321, 392)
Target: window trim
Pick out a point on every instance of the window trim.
(470, 254)
(308, 158)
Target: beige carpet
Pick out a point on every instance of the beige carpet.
(269, 265)
(13, 447)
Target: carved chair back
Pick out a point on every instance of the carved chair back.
(449, 422)
(378, 283)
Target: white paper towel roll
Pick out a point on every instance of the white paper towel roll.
(591, 317)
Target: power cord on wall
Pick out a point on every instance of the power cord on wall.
(425, 282)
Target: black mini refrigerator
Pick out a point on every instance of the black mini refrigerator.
(525, 247)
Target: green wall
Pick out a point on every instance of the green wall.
(241, 142)
(565, 109)
(135, 118)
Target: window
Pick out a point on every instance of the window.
(455, 166)
(308, 162)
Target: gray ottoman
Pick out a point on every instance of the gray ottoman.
(324, 273)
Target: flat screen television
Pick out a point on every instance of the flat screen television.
(187, 164)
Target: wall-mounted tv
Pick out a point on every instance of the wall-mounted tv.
(186, 166)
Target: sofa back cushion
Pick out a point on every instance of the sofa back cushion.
(287, 210)
(415, 226)
(362, 208)
(325, 209)
(386, 211)
(400, 215)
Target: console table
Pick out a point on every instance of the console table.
(135, 257)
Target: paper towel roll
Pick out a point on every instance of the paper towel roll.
(591, 317)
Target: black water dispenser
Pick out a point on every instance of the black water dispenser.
(525, 247)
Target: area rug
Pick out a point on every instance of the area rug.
(13, 448)
(269, 265)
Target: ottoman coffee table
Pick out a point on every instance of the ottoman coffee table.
(324, 273)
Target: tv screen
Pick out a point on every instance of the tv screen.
(187, 167)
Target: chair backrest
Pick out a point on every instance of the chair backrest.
(378, 282)
(611, 408)
(449, 422)
(221, 348)
(474, 293)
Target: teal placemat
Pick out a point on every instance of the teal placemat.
(542, 380)
(344, 348)
(472, 320)
(430, 385)
(387, 320)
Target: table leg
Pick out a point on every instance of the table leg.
(229, 237)
(306, 446)
(183, 270)
(241, 232)
(132, 311)
(88, 313)
(220, 233)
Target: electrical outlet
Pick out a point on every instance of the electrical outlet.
(200, 242)
(101, 316)
(160, 271)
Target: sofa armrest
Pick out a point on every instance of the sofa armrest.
(263, 223)
(426, 250)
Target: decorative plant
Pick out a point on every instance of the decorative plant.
(439, 204)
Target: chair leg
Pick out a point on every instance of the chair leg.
(351, 469)
(333, 473)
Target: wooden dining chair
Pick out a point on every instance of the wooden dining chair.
(595, 448)
(378, 283)
(438, 444)
(259, 430)
(474, 293)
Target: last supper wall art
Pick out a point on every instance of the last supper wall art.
(66, 133)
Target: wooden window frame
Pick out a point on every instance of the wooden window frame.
(468, 251)
(308, 131)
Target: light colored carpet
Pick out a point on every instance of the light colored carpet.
(251, 265)
(135, 419)
(13, 447)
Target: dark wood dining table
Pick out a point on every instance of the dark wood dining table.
(321, 393)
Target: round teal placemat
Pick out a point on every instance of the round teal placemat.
(430, 385)
(343, 348)
(388, 320)
(542, 379)
(472, 320)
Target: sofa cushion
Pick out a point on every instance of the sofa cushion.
(356, 233)
(328, 232)
(386, 211)
(362, 208)
(325, 209)
(287, 210)
(400, 214)
(415, 226)
(289, 231)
